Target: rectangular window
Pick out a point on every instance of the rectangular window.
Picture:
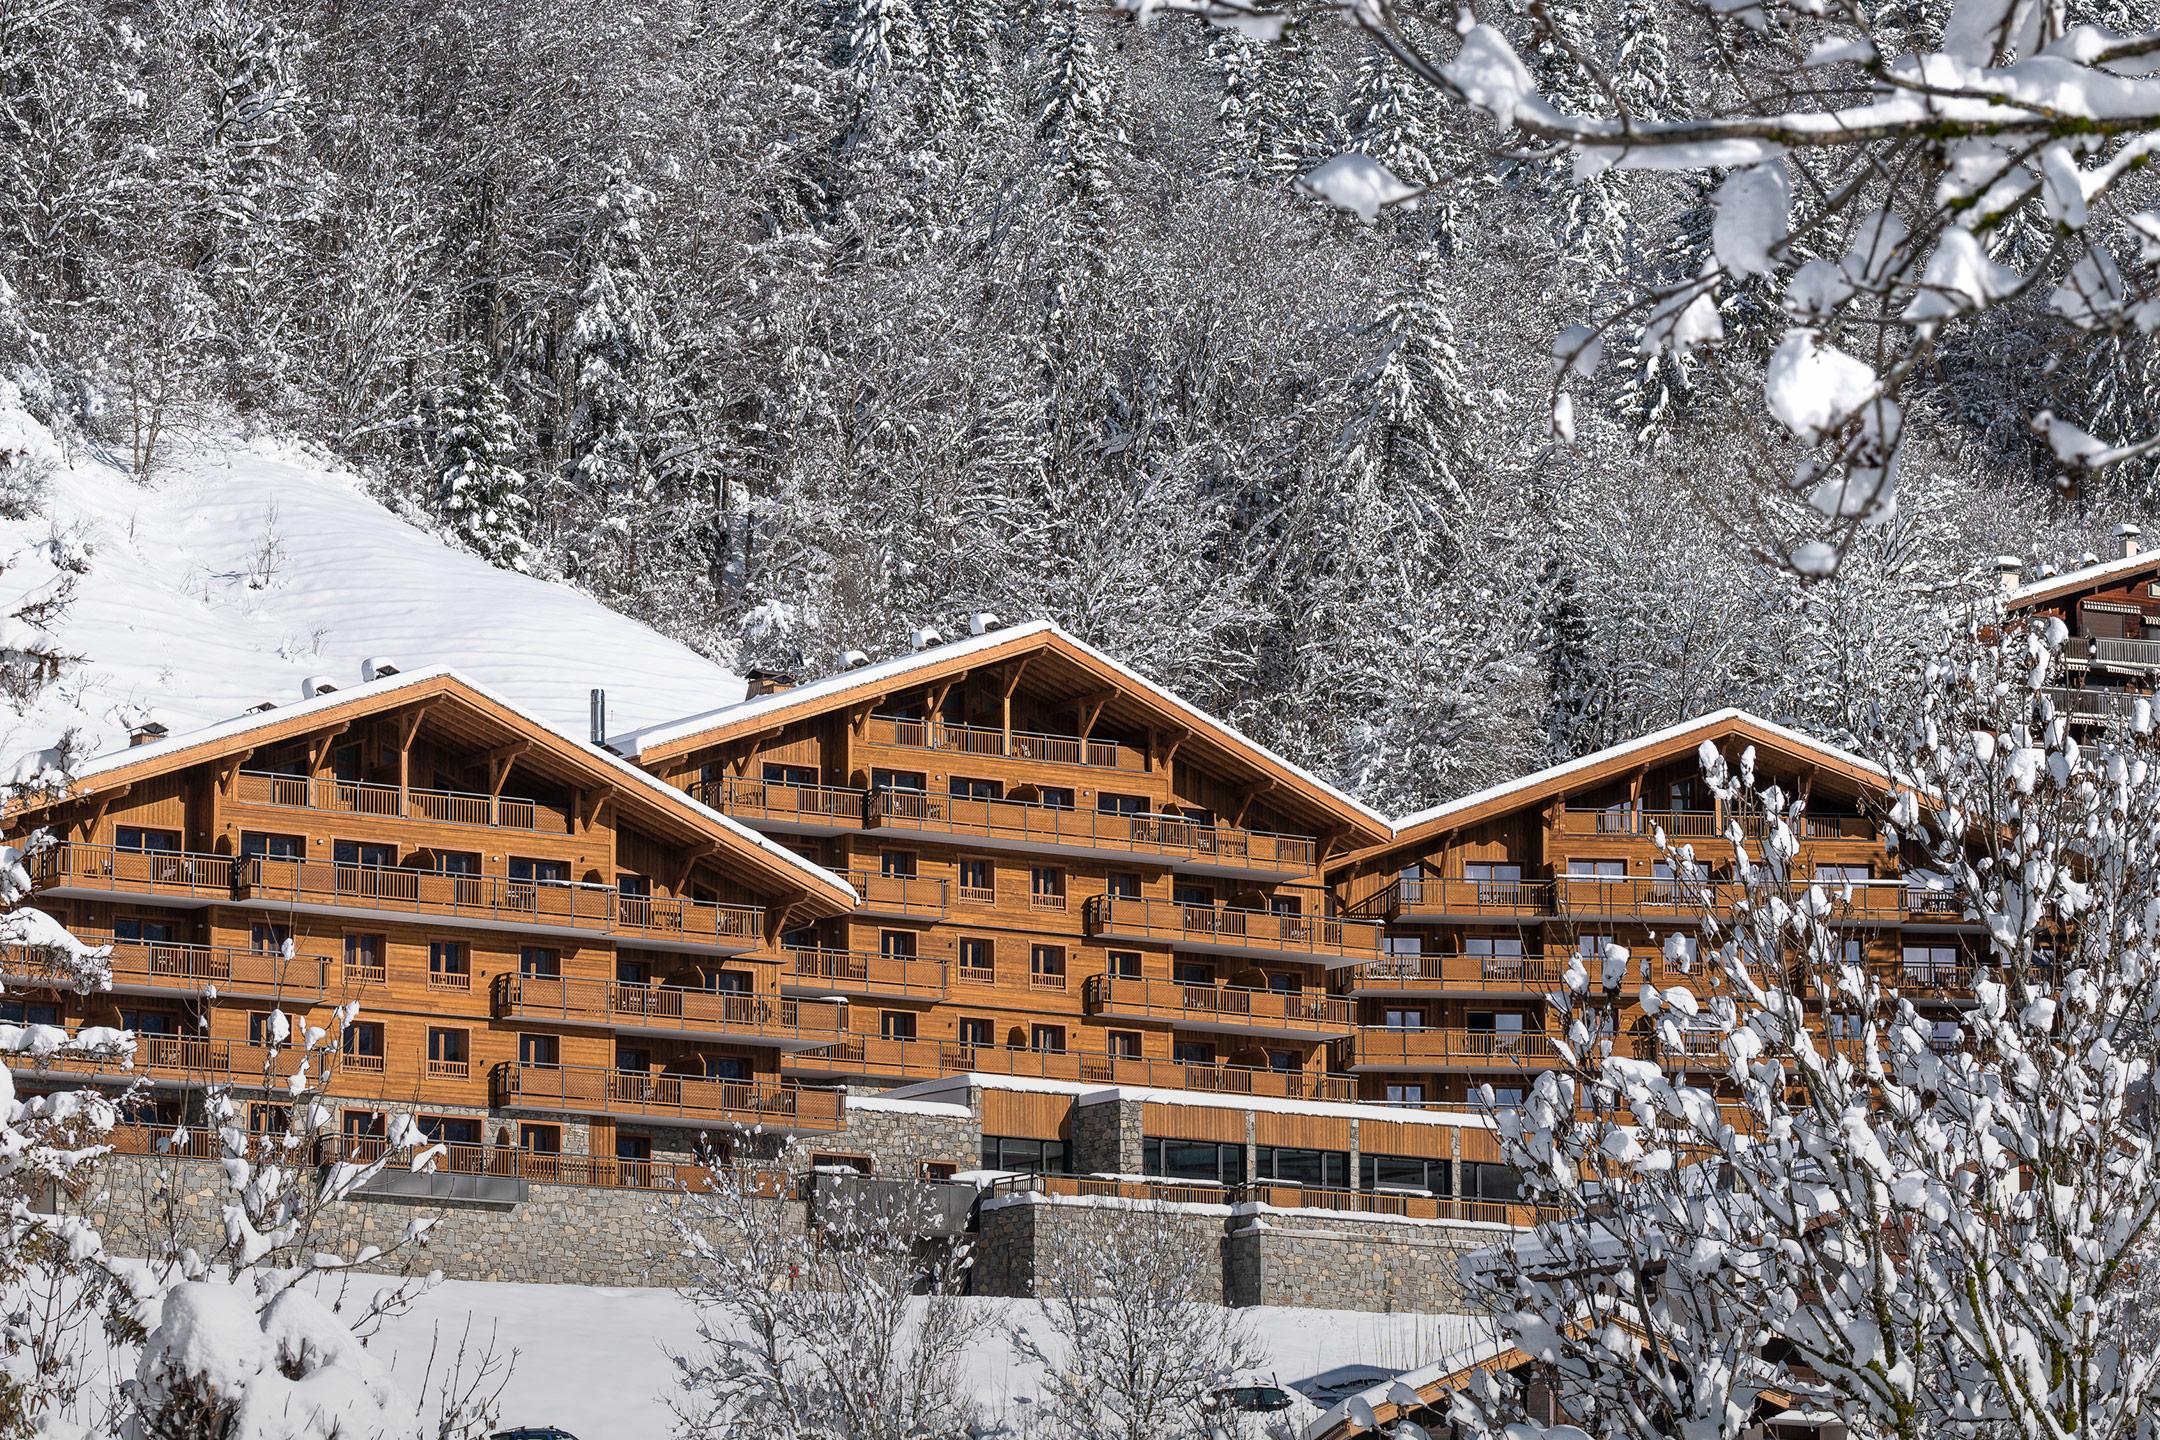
(1500, 946)
(364, 1045)
(539, 962)
(1124, 1044)
(1581, 869)
(908, 780)
(726, 1067)
(371, 853)
(730, 982)
(536, 1139)
(366, 956)
(457, 862)
(255, 843)
(633, 887)
(449, 1052)
(633, 1147)
(539, 1050)
(1204, 1160)
(1841, 875)
(1046, 967)
(1405, 1094)
(776, 773)
(896, 944)
(258, 1026)
(269, 939)
(978, 961)
(821, 1160)
(1123, 884)
(366, 1125)
(1407, 1018)
(1410, 1173)
(1284, 982)
(1189, 892)
(1125, 964)
(24, 1012)
(1192, 972)
(1483, 1180)
(1294, 1165)
(1054, 797)
(896, 864)
(896, 1024)
(1505, 871)
(142, 840)
(968, 787)
(1035, 1157)
(1046, 887)
(977, 1032)
(1110, 804)
(978, 885)
(524, 870)
(133, 930)
(449, 964)
(450, 1129)
(149, 1022)
(1047, 1038)
(1193, 1052)
(1285, 905)
(632, 1060)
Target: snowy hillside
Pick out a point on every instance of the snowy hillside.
(244, 570)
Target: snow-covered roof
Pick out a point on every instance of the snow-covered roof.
(1410, 1390)
(199, 744)
(1087, 1093)
(675, 736)
(2085, 577)
(1673, 737)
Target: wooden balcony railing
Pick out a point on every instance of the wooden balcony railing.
(2126, 654)
(835, 806)
(443, 807)
(597, 1090)
(2099, 706)
(1170, 837)
(1433, 972)
(1416, 894)
(863, 972)
(1441, 1046)
(600, 908)
(596, 1001)
(907, 733)
(191, 968)
(1679, 825)
(955, 1059)
(142, 872)
(191, 1059)
(1233, 1006)
(1326, 939)
(909, 896)
(870, 1055)
(1276, 1195)
(540, 1168)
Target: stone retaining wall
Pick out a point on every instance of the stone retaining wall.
(1023, 1243)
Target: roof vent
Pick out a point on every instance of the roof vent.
(926, 637)
(598, 700)
(982, 622)
(146, 732)
(316, 685)
(853, 659)
(766, 682)
(260, 706)
(2007, 570)
(375, 667)
(2128, 534)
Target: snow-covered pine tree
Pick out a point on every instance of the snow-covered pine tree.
(1073, 121)
(1407, 437)
(1236, 59)
(1292, 115)
(480, 493)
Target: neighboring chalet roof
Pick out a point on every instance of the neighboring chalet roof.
(2085, 577)
(1038, 637)
(1615, 761)
(660, 802)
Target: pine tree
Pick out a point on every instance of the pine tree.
(1074, 122)
(480, 494)
(1407, 439)
(1294, 126)
(1237, 60)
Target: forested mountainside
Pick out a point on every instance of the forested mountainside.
(789, 327)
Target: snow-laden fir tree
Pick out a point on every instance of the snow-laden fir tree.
(1407, 439)
(480, 493)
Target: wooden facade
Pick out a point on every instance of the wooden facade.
(2111, 611)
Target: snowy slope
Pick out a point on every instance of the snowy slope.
(191, 613)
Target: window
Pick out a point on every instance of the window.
(1285, 905)
(1925, 962)
(1124, 884)
(1284, 1062)
(1499, 946)
(131, 930)
(1841, 875)
(1193, 1160)
(908, 780)
(977, 885)
(936, 1171)
(776, 773)
(896, 1024)
(1408, 1018)
(1046, 888)
(967, 787)
(1054, 797)
(633, 1147)
(1406, 1172)
(449, 1052)
(1293, 1165)
(633, 887)
(1581, 869)
(977, 1032)
(1483, 1180)
(978, 961)
(345, 763)
(364, 1045)
(726, 1067)
(1036, 1157)
(371, 853)
(1124, 1044)
(527, 871)
(1192, 1052)
(456, 862)
(365, 1125)
(365, 955)
(1405, 1094)
(1192, 972)
(14, 1011)
(539, 962)
(1284, 982)
(1491, 870)
(268, 939)
(254, 844)
(820, 1160)
(258, 1026)
(449, 964)
(1187, 892)
(897, 864)
(539, 1050)
(146, 841)
(1110, 804)
(535, 1139)
(267, 1118)
(1507, 1097)
(149, 1022)
(896, 944)
(1047, 1038)
(632, 1060)
(1125, 964)
(449, 1129)
(731, 982)
(1494, 1022)
(637, 972)
(1046, 967)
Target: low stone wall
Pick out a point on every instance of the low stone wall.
(1346, 1262)
(1023, 1242)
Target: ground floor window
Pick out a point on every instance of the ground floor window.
(1036, 1157)
(1482, 1180)
(1194, 1160)
(1405, 1172)
(1294, 1165)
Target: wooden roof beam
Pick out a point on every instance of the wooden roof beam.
(1091, 708)
(1247, 795)
(685, 861)
(778, 916)
(319, 745)
(498, 761)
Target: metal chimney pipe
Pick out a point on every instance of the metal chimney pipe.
(599, 717)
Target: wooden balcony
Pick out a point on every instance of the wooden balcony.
(1228, 1009)
(808, 971)
(670, 1099)
(1698, 825)
(496, 902)
(1432, 973)
(1035, 746)
(669, 1010)
(2096, 706)
(186, 1060)
(869, 1057)
(537, 1167)
(139, 967)
(898, 897)
(1595, 899)
(1385, 1047)
(954, 1059)
(1277, 1196)
(440, 807)
(2133, 656)
(175, 877)
(1171, 840)
(797, 809)
(1314, 939)
(1431, 898)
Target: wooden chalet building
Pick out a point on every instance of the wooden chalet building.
(1064, 871)
(551, 951)
(1486, 898)
(2112, 611)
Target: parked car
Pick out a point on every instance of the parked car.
(532, 1432)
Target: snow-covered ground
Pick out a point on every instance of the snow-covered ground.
(246, 568)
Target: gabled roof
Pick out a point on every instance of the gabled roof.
(659, 743)
(2087, 577)
(661, 802)
(1615, 761)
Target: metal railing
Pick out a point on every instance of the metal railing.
(1170, 836)
(2114, 707)
(1436, 970)
(1327, 937)
(156, 872)
(840, 805)
(595, 1089)
(905, 895)
(1439, 1045)
(868, 972)
(1382, 1204)
(617, 1002)
(366, 797)
(913, 734)
(188, 967)
(1234, 1005)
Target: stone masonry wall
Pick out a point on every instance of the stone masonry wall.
(898, 1136)
(1343, 1262)
(1105, 1138)
(1024, 1243)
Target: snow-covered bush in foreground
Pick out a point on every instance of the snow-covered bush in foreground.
(1897, 175)
(850, 1331)
(1925, 1233)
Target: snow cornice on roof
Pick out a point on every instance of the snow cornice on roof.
(658, 743)
(2084, 578)
(243, 731)
(1508, 795)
